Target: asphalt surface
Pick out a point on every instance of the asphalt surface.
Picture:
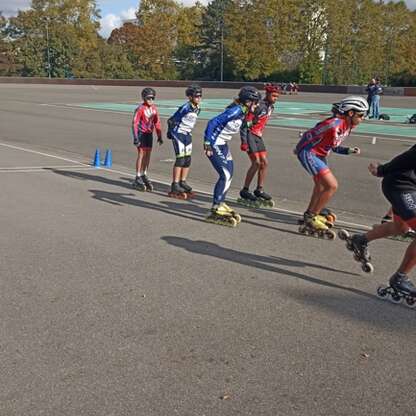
(115, 302)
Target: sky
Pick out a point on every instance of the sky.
(113, 12)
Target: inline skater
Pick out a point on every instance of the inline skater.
(312, 151)
(252, 142)
(399, 187)
(180, 127)
(217, 134)
(145, 120)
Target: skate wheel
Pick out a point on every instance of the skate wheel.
(382, 292)
(367, 267)
(330, 235)
(301, 229)
(343, 235)
(237, 217)
(411, 302)
(331, 218)
(232, 222)
(272, 204)
(395, 298)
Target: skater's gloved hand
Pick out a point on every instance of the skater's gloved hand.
(244, 147)
(208, 150)
(373, 168)
(160, 140)
(354, 150)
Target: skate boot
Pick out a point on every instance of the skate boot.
(400, 287)
(248, 199)
(315, 227)
(233, 213)
(176, 191)
(264, 199)
(359, 245)
(219, 215)
(187, 189)
(147, 183)
(138, 184)
(322, 218)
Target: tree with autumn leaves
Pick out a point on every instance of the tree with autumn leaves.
(311, 41)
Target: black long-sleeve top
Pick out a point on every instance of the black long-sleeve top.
(400, 173)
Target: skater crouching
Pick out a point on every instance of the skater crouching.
(217, 134)
(180, 127)
(145, 120)
(252, 142)
(312, 151)
(399, 187)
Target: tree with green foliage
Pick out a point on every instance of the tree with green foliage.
(188, 43)
(57, 38)
(212, 46)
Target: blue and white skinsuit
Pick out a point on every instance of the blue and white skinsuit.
(219, 131)
(180, 127)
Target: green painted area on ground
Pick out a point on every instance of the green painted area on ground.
(212, 107)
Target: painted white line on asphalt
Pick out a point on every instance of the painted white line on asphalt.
(45, 170)
(43, 167)
(42, 154)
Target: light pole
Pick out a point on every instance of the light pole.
(47, 48)
(222, 50)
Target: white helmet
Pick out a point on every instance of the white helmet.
(353, 102)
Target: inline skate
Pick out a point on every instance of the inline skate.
(400, 287)
(359, 245)
(176, 191)
(138, 184)
(264, 199)
(233, 213)
(315, 227)
(221, 216)
(248, 199)
(147, 183)
(187, 189)
(321, 217)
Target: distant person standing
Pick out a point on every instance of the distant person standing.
(375, 91)
(368, 89)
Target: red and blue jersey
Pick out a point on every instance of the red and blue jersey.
(325, 136)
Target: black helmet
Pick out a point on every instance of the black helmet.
(148, 92)
(193, 90)
(249, 94)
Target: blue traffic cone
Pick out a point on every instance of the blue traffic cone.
(96, 162)
(108, 161)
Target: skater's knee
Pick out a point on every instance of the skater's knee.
(330, 185)
(400, 227)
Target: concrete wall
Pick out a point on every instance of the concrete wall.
(340, 89)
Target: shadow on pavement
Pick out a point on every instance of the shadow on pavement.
(169, 205)
(260, 262)
(376, 312)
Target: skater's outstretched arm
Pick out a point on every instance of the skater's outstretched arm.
(403, 162)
